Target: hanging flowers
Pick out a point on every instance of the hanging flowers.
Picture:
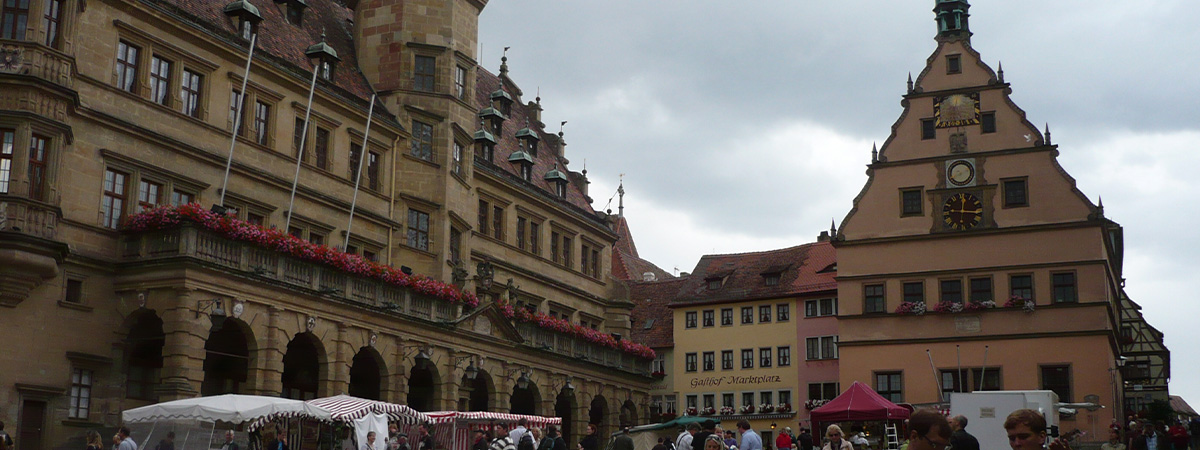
(230, 227)
(748, 409)
(547, 322)
(911, 308)
(977, 306)
(814, 404)
(948, 307)
(1016, 301)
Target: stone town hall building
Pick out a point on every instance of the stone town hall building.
(109, 107)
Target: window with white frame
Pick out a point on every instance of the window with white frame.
(820, 307)
(81, 394)
(821, 347)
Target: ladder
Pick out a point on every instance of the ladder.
(893, 439)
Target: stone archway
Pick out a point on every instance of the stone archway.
(227, 358)
(143, 354)
(478, 391)
(564, 407)
(302, 367)
(368, 374)
(423, 387)
(525, 401)
(597, 415)
(629, 415)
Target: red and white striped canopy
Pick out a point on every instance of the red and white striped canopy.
(346, 408)
(482, 416)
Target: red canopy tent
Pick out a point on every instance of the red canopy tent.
(859, 403)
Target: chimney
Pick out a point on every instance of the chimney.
(535, 113)
(684, 274)
(649, 276)
(823, 237)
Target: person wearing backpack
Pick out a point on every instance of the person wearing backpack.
(525, 442)
(559, 442)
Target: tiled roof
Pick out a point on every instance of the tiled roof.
(282, 42)
(803, 269)
(650, 300)
(626, 264)
(521, 115)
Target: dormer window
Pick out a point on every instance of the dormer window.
(771, 279)
(247, 29)
(524, 163)
(494, 118)
(323, 57)
(503, 101)
(293, 10)
(485, 143)
(245, 17)
(528, 139)
(713, 283)
(559, 180)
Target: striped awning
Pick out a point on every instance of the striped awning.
(483, 416)
(345, 408)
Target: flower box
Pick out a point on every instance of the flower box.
(748, 409)
(911, 308)
(1026, 304)
(783, 407)
(814, 404)
(690, 411)
(708, 411)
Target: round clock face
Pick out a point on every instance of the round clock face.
(962, 211)
(960, 173)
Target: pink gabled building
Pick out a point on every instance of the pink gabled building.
(817, 332)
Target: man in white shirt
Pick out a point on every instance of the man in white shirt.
(684, 440)
(126, 441)
(519, 431)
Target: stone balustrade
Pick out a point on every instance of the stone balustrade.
(32, 58)
(576, 347)
(29, 217)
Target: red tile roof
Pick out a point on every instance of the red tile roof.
(650, 304)
(522, 116)
(803, 269)
(283, 43)
(626, 264)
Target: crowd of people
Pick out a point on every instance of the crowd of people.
(1140, 434)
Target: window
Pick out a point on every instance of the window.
(783, 356)
(37, 166)
(969, 379)
(355, 162)
(237, 112)
(764, 314)
(726, 317)
(981, 289)
(785, 397)
(316, 238)
(113, 203)
(714, 283)
(689, 319)
(521, 225)
(160, 79)
(260, 220)
(747, 399)
(535, 237)
(460, 82)
(14, 19)
(689, 362)
(422, 140)
(764, 357)
(727, 400)
(127, 63)
(189, 93)
(747, 315)
(692, 400)
(8, 139)
(1021, 286)
(783, 313)
(527, 172)
(149, 194)
(418, 230)
(952, 291)
(73, 292)
(483, 151)
(373, 171)
(1064, 287)
(180, 198)
(747, 358)
(554, 247)
(823, 391)
(424, 68)
(1015, 193)
(910, 202)
(987, 122)
(455, 244)
(262, 117)
(709, 361)
(708, 318)
(560, 189)
(456, 167)
(566, 249)
(498, 222)
(659, 364)
(321, 149)
(298, 135)
(820, 307)
(821, 347)
(767, 397)
(483, 217)
(771, 279)
(928, 129)
(1058, 379)
(953, 64)
(246, 29)
(81, 393)
(873, 299)
(585, 249)
(890, 385)
(595, 262)
(914, 292)
(295, 13)
(52, 22)
(726, 359)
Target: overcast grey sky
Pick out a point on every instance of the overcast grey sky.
(745, 126)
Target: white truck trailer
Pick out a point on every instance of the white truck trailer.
(986, 410)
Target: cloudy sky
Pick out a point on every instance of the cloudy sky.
(745, 126)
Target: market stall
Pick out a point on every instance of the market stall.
(200, 423)
(366, 415)
(455, 427)
(861, 405)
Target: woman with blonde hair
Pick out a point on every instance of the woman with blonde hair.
(93, 441)
(836, 441)
(714, 442)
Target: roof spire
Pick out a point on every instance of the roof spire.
(910, 83)
(832, 227)
(1000, 72)
(874, 153)
(504, 62)
(951, 18)
(621, 194)
(1100, 207)
(1047, 133)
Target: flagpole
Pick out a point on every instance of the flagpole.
(237, 120)
(362, 156)
(300, 152)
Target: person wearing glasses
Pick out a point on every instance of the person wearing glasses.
(928, 430)
(836, 442)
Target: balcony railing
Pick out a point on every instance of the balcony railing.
(32, 58)
(319, 279)
(575, 347)
(28, 216)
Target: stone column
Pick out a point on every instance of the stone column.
(398, 376)
(183, 349)
(450, 379)
(339, 363)
(270, 375)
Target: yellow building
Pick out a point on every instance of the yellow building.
(735, 332)
(970, 249)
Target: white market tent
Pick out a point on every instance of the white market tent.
(251, 410)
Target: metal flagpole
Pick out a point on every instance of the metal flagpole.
(300, 153)
(958, 377)
(362, 156)
(983, 370)
(237, 119)
(937, 381)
